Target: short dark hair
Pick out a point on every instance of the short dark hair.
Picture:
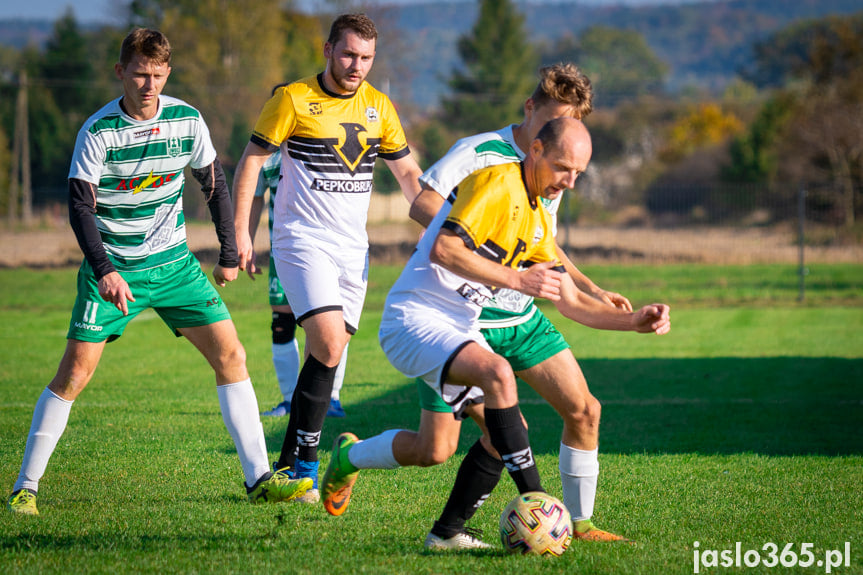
(565, 84)
(148, 43)
(360, 24)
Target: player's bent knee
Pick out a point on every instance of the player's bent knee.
(230, 357)
(587, 414)
(500, 380)
(435, 456)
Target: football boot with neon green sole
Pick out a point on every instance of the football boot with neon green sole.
(23, 501)
(275, 487)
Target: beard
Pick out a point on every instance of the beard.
(342, 79)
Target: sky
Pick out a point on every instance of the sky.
(92, 11)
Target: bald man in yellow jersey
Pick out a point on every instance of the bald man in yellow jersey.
(491, 234)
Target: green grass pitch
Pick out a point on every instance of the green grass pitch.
(741, 425)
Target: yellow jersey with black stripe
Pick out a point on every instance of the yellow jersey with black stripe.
(329, 145)
(493, 214)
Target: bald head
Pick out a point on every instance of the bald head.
(558, 154)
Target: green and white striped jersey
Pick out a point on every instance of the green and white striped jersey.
(508, 307)
(137, 167)
(271, 173)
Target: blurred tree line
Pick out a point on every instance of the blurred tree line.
(791, 118)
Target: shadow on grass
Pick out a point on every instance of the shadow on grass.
(770, 406)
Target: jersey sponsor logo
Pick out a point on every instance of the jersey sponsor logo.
(472, 294)
(308, 438)
(137, 184)
(518, 460)
(174, 147)
(144, 133)
(342, 186)
(146, 182)
(372, 114)
(315, 109)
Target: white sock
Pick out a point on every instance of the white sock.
(240, 414)
(286, 360)
(375, 452)
(579, 471)
(340, 375)
(49, 421)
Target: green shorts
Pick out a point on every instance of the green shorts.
(523, 346)
(179, 292)
(526, 344)
(277, 293)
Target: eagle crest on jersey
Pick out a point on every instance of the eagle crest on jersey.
(352, 152)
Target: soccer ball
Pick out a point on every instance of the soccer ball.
(537, 523)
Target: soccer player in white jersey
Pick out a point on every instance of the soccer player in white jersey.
(491, 232)
(330, 128)
(285, 352)
(516, 329)
(126, 208)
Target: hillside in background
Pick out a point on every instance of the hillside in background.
(704, 44)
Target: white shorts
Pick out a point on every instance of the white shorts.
(319, 277)
(423, 346)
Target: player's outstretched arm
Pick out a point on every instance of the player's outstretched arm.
(245, 180)
(653, 318)
(587, 310)
(585, 284)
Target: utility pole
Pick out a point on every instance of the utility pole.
(20, 181)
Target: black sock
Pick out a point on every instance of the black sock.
(308, 411)
(288, 457)
(509, 437)
(477, 476)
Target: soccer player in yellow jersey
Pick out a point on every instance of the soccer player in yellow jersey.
(493, 235)
(330, 129)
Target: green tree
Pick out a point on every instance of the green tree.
(818, 66)
(498, 73)
(752, 154)
(62, 94)
(818, 51)
(227, 56)
(620, 64)
(67, 70)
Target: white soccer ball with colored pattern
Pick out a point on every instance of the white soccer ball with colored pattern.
(536, 523)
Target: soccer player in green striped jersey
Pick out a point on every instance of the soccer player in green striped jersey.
(126, 209)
